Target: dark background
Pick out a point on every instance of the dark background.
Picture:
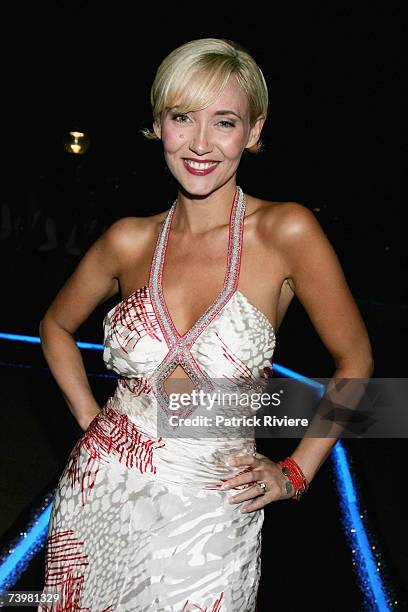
(330, 143)
(330, 139)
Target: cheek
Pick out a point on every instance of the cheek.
(235, 145)
(172, 140)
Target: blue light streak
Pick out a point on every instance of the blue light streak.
(21, 553)
(368, 573)
(37, 340)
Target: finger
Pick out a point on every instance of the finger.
(244, 478)
(236, 481)
(256, 505)
(238, 460)
(249, 493)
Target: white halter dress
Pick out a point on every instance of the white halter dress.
(139, 522)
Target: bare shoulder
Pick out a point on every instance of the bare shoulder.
(285, 232)
(297, 221)
(129, 235)
(288, 228)
(284, 220)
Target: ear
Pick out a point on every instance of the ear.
(157, 129)
(255, 132)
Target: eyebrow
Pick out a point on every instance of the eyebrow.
(219, 112)
(227, 112)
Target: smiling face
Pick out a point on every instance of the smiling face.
(203, 148)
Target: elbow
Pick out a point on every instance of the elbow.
(43, 322)
(357, 366)
(364, 361)
(42, 328)
(48, 326)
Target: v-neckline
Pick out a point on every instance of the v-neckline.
(231, 271)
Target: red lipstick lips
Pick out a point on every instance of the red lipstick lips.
(200, 167)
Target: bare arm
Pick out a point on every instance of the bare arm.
(94, 280)
(320, 285)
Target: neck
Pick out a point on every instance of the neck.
(200, 214)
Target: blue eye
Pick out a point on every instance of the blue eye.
(181, 118)
(225, 123)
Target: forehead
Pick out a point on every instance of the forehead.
(232, 94)
(231, 97)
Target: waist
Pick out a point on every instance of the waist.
(194, 460)
(225, 409)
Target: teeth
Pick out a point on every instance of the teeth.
(199, 165)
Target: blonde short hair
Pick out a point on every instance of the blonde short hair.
(195, 74)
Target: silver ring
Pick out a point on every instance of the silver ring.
(263, 487)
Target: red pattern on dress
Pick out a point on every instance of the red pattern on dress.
(216, 606)
(244, 373)
(137, 319)
(111, 433)
(63, 559)
(137, 386)
(63, 546)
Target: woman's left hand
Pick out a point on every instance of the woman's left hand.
(262, 469)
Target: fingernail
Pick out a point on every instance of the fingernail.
(224, 486)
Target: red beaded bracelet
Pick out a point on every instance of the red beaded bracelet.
(300, 477)
(291, 469)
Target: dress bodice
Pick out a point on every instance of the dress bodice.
(232, 340)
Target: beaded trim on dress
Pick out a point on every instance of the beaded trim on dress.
(179, 346)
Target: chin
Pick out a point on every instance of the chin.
(200, 187)
(197, 188)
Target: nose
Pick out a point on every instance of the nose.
(200, 142)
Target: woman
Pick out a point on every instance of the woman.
(143, 521)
